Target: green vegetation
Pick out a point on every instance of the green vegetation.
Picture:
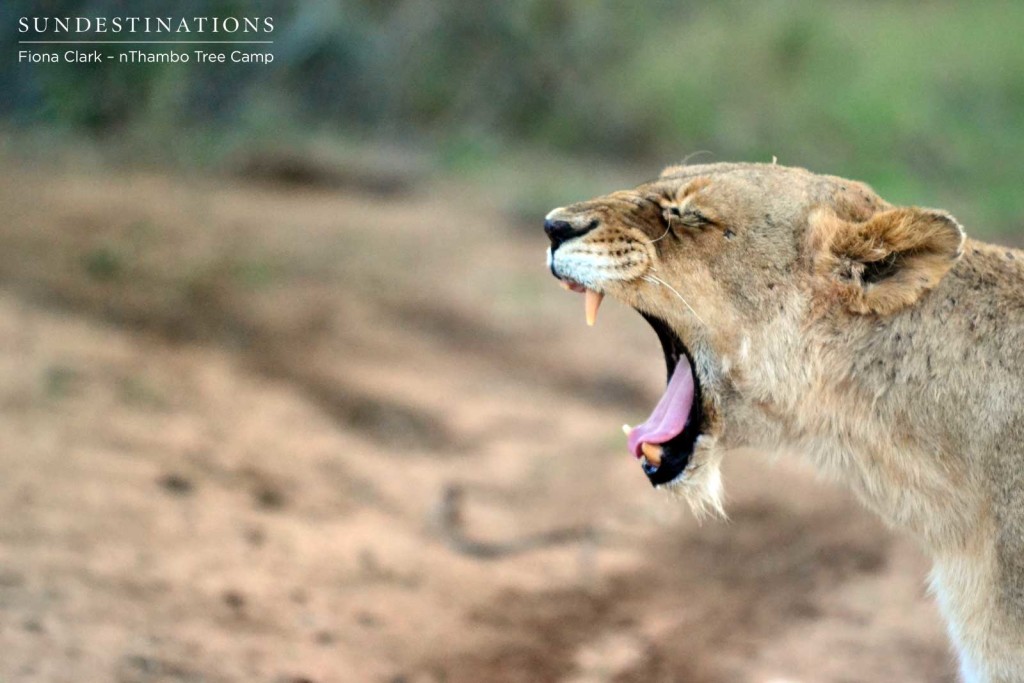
(103, 264)
(58, 381)
(923, 100)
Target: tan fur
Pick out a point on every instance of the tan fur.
(920, 246)
(875, 341)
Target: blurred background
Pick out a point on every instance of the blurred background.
(288, 394)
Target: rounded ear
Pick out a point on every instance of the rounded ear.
(887, 262)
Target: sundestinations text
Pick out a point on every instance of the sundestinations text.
(43, 25)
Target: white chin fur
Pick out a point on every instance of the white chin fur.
(700, 484)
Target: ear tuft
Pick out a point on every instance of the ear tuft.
(887, 262)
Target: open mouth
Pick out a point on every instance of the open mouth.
(665, 442)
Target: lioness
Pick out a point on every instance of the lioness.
(802, 312)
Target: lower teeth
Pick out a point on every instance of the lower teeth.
(652, 452)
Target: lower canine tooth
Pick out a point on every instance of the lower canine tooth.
(591, 304)
(652, 452)
(626, 429)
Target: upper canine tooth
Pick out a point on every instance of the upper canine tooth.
(591, 304)
(626, 429)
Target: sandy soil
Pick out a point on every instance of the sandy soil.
(264, 433)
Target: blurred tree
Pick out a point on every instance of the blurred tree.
(858, 89)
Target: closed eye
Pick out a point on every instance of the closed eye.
(689, 216)
(673, 214)
(694, 217)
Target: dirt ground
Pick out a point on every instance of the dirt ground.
(256, 432)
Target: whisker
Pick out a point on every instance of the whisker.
(686, 159)
(657, 280)
(663, 235)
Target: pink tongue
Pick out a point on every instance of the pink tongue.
(669, 416)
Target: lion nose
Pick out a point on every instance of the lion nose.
(561, 231)
(558, 231)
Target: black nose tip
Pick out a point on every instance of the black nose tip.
(560, 231)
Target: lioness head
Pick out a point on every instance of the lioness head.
(747, 273)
